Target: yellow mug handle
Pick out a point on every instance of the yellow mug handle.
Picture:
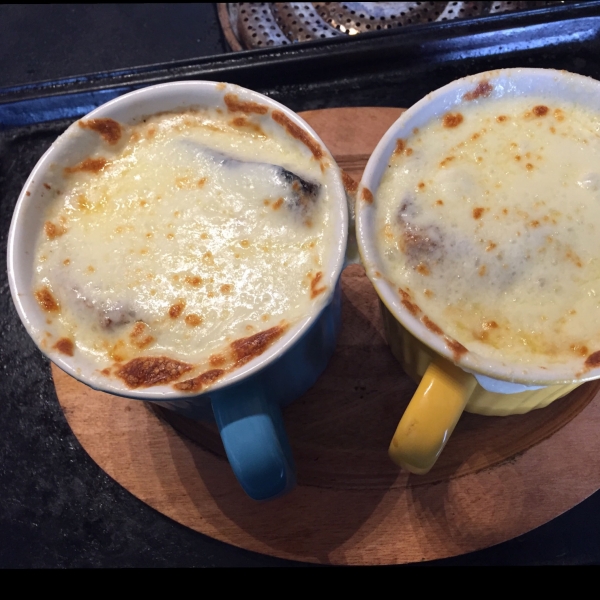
(431, 416)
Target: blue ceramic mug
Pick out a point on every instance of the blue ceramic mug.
(246, 402)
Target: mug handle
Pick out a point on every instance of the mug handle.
(431, 416)
(257, 446)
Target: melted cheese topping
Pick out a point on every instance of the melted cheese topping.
(489, 219)
(183, 236)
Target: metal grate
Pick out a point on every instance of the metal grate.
(250, 25)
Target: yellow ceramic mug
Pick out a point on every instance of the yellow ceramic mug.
(455, 210)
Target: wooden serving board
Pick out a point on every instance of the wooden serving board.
(498, 477)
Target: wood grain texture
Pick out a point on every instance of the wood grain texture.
(497, 478)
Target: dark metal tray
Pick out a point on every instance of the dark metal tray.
(42, 467)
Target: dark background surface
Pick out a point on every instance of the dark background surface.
(57, 507)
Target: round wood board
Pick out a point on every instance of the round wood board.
(498, 477)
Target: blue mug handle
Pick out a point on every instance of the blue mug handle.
(257, 446)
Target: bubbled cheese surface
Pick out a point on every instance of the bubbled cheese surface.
(153, 247)
(489, 217)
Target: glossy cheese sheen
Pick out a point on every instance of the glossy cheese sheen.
(489, 220)
(183, 237)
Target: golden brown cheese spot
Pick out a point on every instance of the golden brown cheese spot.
(139, 336)
(67, 262)
(234, 104)
(46, 300)
(593, 360)
(408, 151)
(208, 258)
(244, 243)
(315, 290)
(47, 186)
(221, 85)
(244, 123)
(412, 308)
(534, 224)
(200, 183)
(540, 110)
(53, 231)
(485, 328)
(197, 383)
(367, 195)
(226, 288)
(116, 352)
(400, 146)
(89, 165)
(218, 360)
(501, 118)
(84, 204)
(193, 320)
(578, 349)
(478, 212)
(28, 193)
(185, 183)
(421, 185)
(483, 90)
(456, 348)
(245, 349)
(151, 370)
(529, 166)
(277, 204)
(452, 119)
(439, 202)
(193, 280)
(65, 346)
(559, 115)
(176, 309)
(109, 129)
(428, 293)
(432, 326)
(574, 258)
(406, 300)
(105, 372)
(552, 130)
(349, 184)
(446, 160)
(423, 269)
(298, 133)
(482, 270)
